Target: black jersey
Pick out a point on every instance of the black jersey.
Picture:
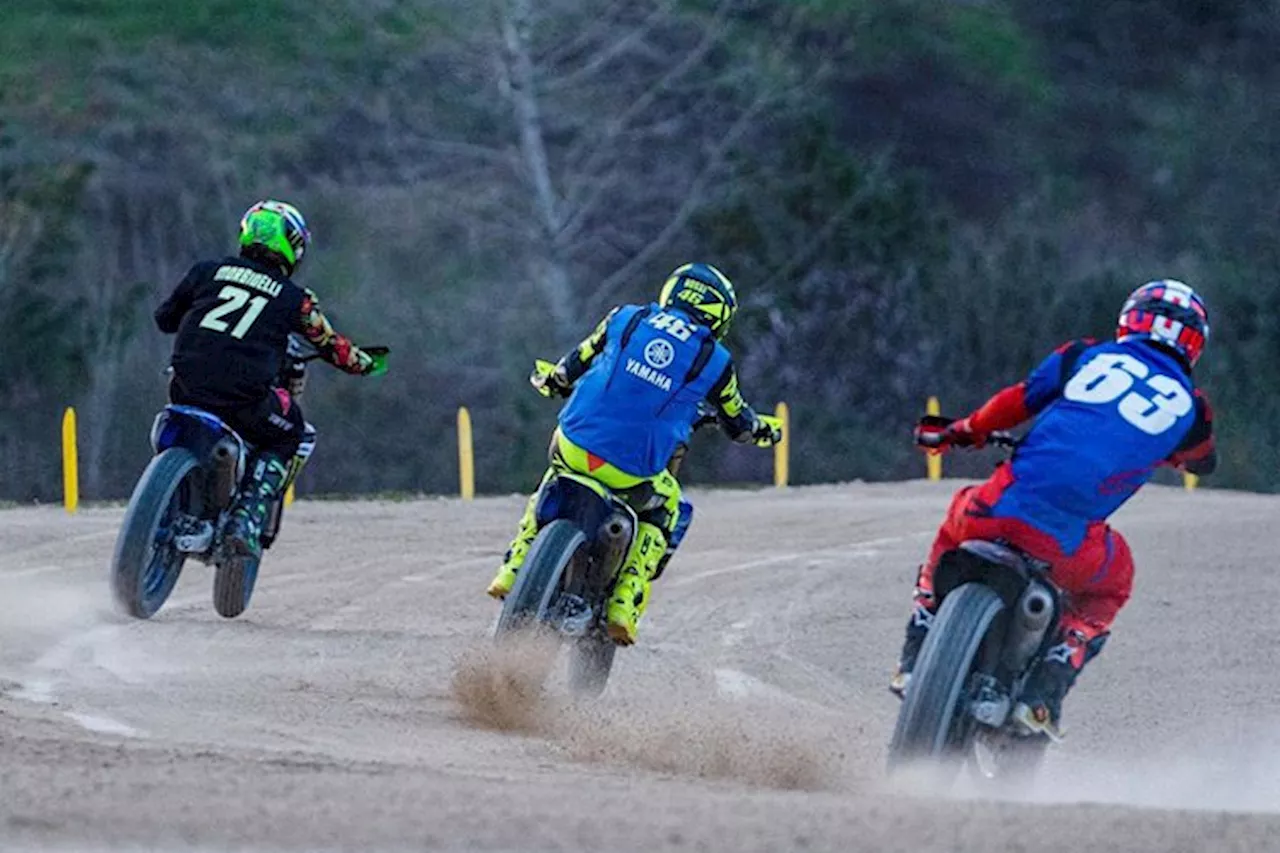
(232, 318)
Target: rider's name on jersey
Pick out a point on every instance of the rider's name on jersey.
(648, 374)
(247, 277)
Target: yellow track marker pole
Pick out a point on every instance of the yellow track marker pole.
(70, 462)
(466, 457)
(1190, 481)
(782, 450)
(933, 461)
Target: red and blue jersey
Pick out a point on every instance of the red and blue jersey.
(1107, 415)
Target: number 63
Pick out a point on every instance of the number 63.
(1111, 376)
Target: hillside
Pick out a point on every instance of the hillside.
(915, 197)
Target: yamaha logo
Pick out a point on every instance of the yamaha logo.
(659, 353)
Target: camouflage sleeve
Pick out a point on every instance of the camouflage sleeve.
(334, 348)
(737, 418)
(577, 360)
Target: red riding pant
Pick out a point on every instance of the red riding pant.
(1096, 579)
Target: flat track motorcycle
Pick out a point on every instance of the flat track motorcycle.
(179, 506)
(585, 533)
(998, 611)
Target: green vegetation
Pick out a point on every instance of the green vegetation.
(914, 197)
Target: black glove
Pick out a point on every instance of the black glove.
(934, 432)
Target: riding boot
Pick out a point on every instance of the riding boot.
(264, 482)
(630, 596)
(917, 629)
(519, 548)
(299, 460)
(1039, 707)
(684, 518)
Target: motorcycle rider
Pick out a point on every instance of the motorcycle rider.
(634, 387)
(232, 318)
(1107, 415)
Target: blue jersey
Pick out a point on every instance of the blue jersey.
(637, 402)
(1109, 415)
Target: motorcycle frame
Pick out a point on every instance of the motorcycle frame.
(607, 520)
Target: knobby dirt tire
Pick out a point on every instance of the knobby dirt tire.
(141, 576)
(539, 578)
(942, 671)
(233, 585)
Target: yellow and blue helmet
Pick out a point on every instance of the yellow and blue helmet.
(705, 292)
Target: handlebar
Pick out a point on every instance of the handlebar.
(1002, 439)
(300, 349)
(706, 417)
(933, 440)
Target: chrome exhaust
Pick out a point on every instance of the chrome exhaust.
(616, 531)
(1027, 625)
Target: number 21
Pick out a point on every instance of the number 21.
(234, 298)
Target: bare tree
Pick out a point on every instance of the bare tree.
(626, 115)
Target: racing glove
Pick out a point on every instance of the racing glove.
(550, 379)
(934, 432)
(767, 431)
(373, 360)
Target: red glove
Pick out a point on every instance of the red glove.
(938, 433)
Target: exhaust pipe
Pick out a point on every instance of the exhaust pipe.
(225, 462)
(1027, 625)
(616, 530)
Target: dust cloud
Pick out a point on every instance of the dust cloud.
(502, 688)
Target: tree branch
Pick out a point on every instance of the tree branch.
(828, 229)
(611, 52)
(591, 162)
(693, 199)
(524, 98)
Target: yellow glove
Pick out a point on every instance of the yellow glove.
(548, 379)
(768, 431)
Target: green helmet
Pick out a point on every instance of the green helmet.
(277, 230)
(704, 292)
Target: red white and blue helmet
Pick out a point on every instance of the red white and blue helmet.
(1167, 312)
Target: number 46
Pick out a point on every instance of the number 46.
(1111, 375)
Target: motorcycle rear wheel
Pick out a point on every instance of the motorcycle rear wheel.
(926, 727)
(538, 580)
(146, 565)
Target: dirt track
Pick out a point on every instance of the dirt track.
(345, 709)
